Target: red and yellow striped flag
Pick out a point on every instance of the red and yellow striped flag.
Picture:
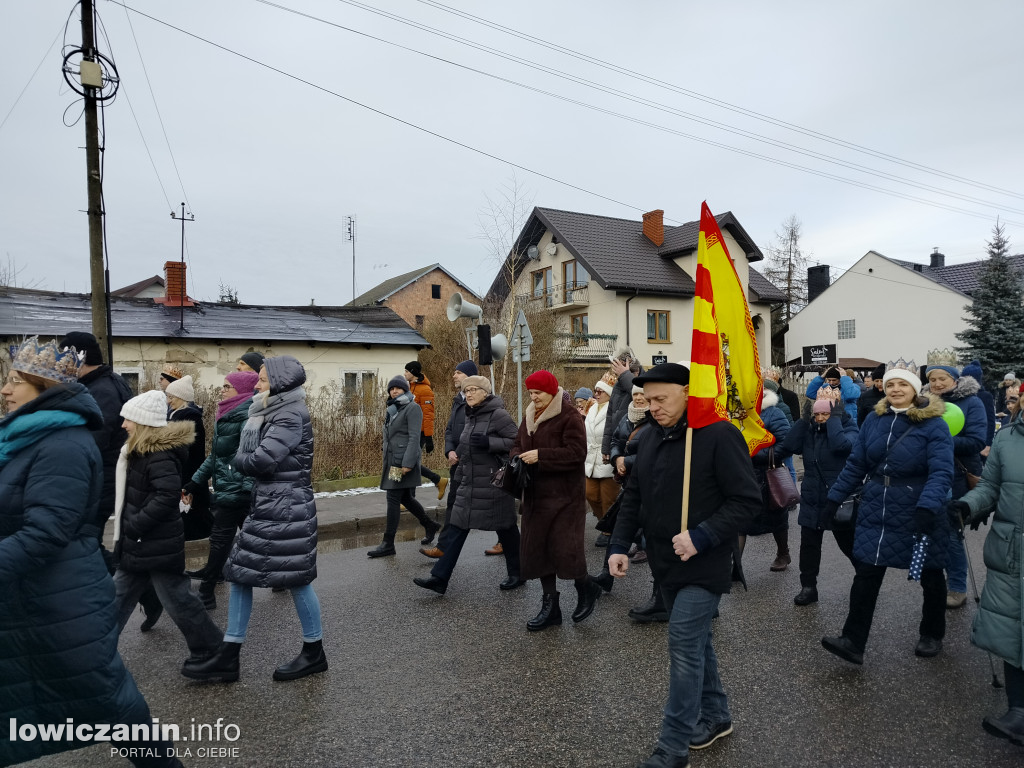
(725, 372)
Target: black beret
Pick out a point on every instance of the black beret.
(670, 373)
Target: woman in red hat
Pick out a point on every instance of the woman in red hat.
(552, 441)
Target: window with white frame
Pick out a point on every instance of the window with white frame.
(847, 329)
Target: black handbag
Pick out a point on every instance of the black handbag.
(512, 477)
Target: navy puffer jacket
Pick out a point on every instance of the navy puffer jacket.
(58, 627)
(479, 504)
(277, 544)
(825, 448)
(920, 472)
(969, 441)
(149, 534)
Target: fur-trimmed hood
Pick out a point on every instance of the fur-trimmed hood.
(554, 409)
(769, 399)
(965, 387)
(175, 434)
(921, 410)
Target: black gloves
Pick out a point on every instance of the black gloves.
(959, 514)
(191, 489)
(831, 507)
(924, 521)
(479, 440)
(427, 443)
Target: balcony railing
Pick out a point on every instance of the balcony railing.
(559, 296)
(585, 347)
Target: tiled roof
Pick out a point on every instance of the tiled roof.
(765, 289)
(959, 277)
(617, 255)
(391, 286)
(27, 312)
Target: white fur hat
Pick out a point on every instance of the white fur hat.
(149, 408)
(902, 373)
(182, 388)
(604, 386)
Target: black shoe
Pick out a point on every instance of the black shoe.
(221, 667)
(707, 733)
(550, 614)
(662, 759)
(587, 600)
(208, 597)
(844, 648)
(386, 549)
(512, 582)
(199, 573)
(1009, 726)
(806, 596)
(310, 661)
(602, 540)
(653, 610)
(434, 584)
(928, 647)
(152, 617)
(604, 580)
(431, 531)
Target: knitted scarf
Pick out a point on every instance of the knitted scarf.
(395, 403)
(230, 403)
(19, 432)
(264, 405)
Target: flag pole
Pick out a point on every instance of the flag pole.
(686, 480)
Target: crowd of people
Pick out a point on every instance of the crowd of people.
(896, 467)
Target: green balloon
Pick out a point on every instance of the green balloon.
(954, 418)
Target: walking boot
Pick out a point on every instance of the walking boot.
(588, 595)
(385, 549)
(512, 582)
(604, 579)
(442, 483)
(550, 614)
(221, 667)
(652, 610)
(310, 661)
(1009, 726)
(806, 596)
(781, 561)
(431, 529)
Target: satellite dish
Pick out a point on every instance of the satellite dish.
(533, 253)
(458, 307)
(551, 250)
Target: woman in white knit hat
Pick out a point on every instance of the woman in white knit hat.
(149, 536)
(180, 397)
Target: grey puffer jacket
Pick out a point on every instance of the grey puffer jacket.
(479, 504)
(402, 426)
(277, 544)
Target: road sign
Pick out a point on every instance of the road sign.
(522, 331)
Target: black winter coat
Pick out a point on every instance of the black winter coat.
(456, 422)
(825, 448)
(58, 625)
(196, 453)
(724, 498)
(623, 446)
(478, 504)
(148, 530)
(110, 392)
(618, 405)
(866, 403)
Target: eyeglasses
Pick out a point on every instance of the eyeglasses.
(228, 386)
(467, 390)
(14, 380)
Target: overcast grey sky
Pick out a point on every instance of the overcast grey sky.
(271, 166)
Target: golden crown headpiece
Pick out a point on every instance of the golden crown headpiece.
(903, 365)
(47, 361)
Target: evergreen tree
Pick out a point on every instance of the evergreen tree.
(995, 318)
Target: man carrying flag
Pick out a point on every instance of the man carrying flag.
(718, 498)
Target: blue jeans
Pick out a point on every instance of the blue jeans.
(695, 690)
(307, 605)
(956, 566)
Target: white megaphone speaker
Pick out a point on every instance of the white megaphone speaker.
(459, 307)
(499, 346)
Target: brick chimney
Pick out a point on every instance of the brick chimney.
(938, 259)
(175, 286)
(654, 227)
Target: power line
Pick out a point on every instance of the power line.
(34, 72)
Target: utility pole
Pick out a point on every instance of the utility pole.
(97, 282)
(183, 218)
(350, 234)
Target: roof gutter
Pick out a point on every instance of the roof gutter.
(628, 344)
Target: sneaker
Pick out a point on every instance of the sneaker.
(956, 599)
(662, 759)
(707, 733)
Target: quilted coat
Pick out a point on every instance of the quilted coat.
(58, 627)
(230, 486)
(554, 503)
(478, 504)
(920, 472)
(825, 448)
(594, 422)
(999, 624)
(110, 392)
(277, 544)
(968, 443)
(401, 448)
(149, 534)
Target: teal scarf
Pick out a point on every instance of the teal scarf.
(19, 432)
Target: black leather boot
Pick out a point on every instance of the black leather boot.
(652, 610)
(588, 592)
(221, 667)
(550, 614)
(604, 579)
(310, 661)
(431, 528)
(386, 549)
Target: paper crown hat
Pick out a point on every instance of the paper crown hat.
(903, 365)
(46, 361)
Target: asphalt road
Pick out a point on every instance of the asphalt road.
(421, 680)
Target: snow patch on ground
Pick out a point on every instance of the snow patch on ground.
(356, 492)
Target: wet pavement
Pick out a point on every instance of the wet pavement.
(421, 680)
